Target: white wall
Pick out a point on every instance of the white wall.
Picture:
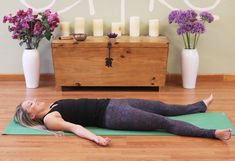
(216, 46)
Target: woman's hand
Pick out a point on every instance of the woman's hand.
(54, 122)
(102, 141)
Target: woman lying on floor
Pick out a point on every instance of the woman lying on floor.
(122, 114)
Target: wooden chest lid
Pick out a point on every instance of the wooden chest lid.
(123, 41)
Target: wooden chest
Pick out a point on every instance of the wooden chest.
(140, 61)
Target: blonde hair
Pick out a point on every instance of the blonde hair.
(21, 117)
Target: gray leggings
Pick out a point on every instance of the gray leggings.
(146, 115)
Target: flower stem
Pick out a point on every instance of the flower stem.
(197, 39)
(194, 41)
(185, 45)
(28, 43)
(188, 40)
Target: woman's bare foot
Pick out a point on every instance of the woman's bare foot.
(208, 100)
(223, 134)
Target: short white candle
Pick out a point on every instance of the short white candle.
(98, 27)
(79, 25)
(117, 28)
(65, 28)
(134, 26)
(154, 27)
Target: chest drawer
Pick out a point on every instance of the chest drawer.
(134, 63)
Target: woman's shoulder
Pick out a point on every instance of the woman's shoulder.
(52, 115)
(54, 121)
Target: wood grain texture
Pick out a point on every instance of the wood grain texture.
(20, 77)
(123, 41)
(138, 61)
(171, 77)
(130, 148)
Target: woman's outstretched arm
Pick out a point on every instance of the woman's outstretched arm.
(57, 123)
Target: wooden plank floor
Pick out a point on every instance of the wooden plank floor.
(129, 148)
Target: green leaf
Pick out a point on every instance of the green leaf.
(21, 43)
(9, 28)
(48, 35)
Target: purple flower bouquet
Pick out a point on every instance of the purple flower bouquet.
(112, 35)
(190, 25)
(30, 28)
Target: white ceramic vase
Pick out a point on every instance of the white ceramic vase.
(189, 67)
(31, 67)
(112, 40)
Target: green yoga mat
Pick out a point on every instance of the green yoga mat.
(210, 120)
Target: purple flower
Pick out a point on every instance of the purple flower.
(206, 16)
(189, 25)
(173, 15)
(181, 30)
(194, 28)
(186, 17)
(192, 15)
(182, 17)
(197, 28)
(112, 35)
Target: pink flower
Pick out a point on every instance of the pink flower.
(11, 19)
(37, 29)
(30, 28)
(47, 12)
(52, 28)
(5, 18)
(25, 25)
(21, 13)
(29, 11)
(12, 29)
(15, 36)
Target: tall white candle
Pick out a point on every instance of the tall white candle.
(98, 27)
(134, 26)
(154, 27)
(79, 25)
(117, 28)
(65, 28)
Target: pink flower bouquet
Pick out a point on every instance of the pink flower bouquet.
(30, 28)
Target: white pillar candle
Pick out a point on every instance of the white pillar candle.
(79, 25)
(123, 28)
(134, 26)
(154, 27)
(65, 28)
(98, 27)
(117, 28)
